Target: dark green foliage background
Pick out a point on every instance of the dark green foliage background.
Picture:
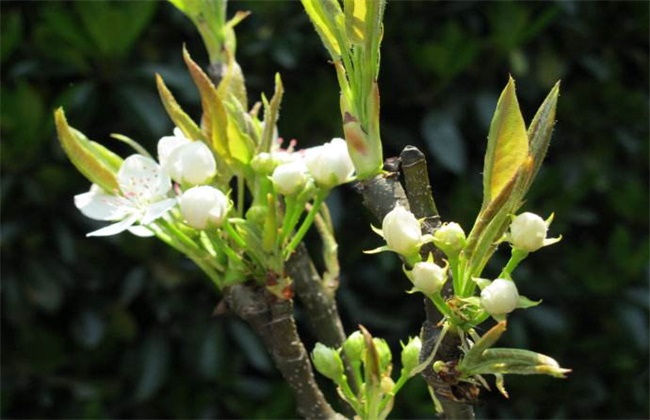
(123, 327)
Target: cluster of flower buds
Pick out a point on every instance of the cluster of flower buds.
(370, 360)
(325, 166)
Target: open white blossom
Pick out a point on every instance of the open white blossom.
(142, 197)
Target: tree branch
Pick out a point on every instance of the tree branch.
(422, 205)
(273, 320)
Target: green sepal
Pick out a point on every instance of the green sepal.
(176, 113)
(95, 162)
(525, 303)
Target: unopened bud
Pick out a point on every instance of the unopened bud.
(330, 164)
(290, 178)
(428, 277)
(204, 207)
(500, 297)
(528, 232)
(354, 345)
(328, 362)
(411, 355)
(384, 354)
(402, 231)
(450, 238)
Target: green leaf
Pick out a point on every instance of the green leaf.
(513, 361)
(355, 16)
(323, 14)
(271, 114)
(176, 113)
(540, 130)
(209, 17)
(215, 119)
(507, 146)
(98, 164)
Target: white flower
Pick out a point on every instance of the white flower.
(402, 231)
(290, 178)
(142, 198)
(450, 238)
(186, 161)
(500, 297)
(330, 164)
(428, 277)
(528, 232)
(204, 206)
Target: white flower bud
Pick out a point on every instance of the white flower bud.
(192, 163)
(528, 232)
(330, 164)
(402, 231)
(450, 238)
(500, 297)
(204, 206)
(290, 178)
(428, 277)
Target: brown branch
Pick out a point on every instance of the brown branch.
(273, 320)
(421, 202)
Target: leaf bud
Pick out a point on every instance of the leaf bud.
(500, 297)
(204, 207)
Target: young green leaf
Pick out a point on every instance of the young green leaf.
(507, 145)
(271, 113)
(98, 164)
(215, 119)
(541, 128)
(323, 14)
(176, 113)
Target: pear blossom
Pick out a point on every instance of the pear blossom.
(528, 232)
(186, 161)
(330, 164)
(500, 297)
(290, 178)
(142, 198)
(327, 361)
(204, 206)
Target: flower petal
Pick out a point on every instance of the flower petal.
(115, 228)
(156, 210)
(141, 231)
(98, 205)
(142, 180)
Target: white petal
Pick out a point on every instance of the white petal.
(101, 206)
(115, 228)
(156, 210)
(141, 231)
(142, 180)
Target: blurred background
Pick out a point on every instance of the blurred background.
(122, 327)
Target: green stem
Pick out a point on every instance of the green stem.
(516, 256)
(306, 224)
